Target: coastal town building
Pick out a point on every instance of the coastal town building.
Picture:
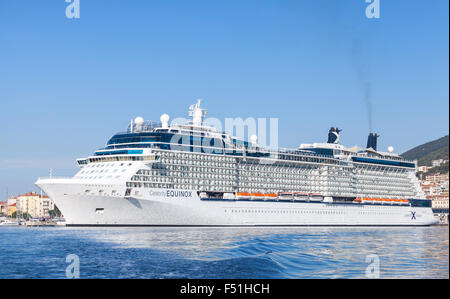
(436, 188)
(11, 206)
(439, 202)
(11, 200)
(33, 204)
(423, 168)
(11, 210)
(3, 208)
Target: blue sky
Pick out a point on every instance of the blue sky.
(67, 85)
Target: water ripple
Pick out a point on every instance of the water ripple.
(224, 252)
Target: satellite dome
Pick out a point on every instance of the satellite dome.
(254, 139)
(164, 118)
(391, 149)
(139, 121)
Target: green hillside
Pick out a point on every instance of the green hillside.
(425, 153)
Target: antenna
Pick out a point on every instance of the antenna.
(197, 113)
(254, 140)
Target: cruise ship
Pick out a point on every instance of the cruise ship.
(156, 174)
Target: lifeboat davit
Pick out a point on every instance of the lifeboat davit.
(315, 197)
(285, 196)
(229, 196)
(301, 197)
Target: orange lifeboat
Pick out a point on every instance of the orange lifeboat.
(257, 195)
(404, 202)
(367, 200)
(243, 195)
(270, 196)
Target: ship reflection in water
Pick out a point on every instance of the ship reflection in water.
(403, 252)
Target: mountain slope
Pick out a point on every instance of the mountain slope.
(425, 153)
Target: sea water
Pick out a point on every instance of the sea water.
(294, 252)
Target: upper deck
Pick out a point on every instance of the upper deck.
(196, 137)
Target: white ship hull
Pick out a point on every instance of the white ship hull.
(163, 207)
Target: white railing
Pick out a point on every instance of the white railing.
(55, 177)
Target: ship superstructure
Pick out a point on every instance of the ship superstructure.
(191, 174)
